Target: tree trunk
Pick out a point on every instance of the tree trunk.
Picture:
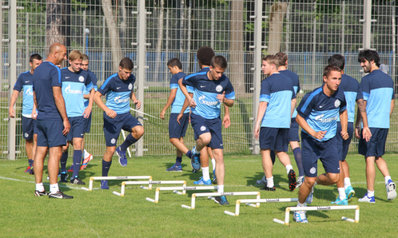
(113, 34)
(159, 39)
(123, 24)
(55, 21)
(278, 11)
(236, 53)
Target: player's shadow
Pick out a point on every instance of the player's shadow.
(252, 180)
(325, 194)
(278, 179)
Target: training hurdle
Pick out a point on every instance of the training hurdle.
(257, 202)
(184, 189)
(149, 183)
(193, 198)
(320, 208)
(92, 179)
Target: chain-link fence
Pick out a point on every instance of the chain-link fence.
(106, 30)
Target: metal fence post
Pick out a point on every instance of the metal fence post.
(367, 18)
(12, 64)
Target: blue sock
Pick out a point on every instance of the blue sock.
(189, 154)
(299, 160)
(105, 167)
(77, 159)
(127, 142)
(178, 160)
(30, 161)
(273, 157)
(64, 158)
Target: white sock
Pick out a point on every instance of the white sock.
(371, 193)
(39, 187)
(342, 194)
(301, 204)
(220, 188)
(288, 168)
(270, 182)
(386, 179)
(205, 173)
(347, 182)
(213, 162)
(54, 188)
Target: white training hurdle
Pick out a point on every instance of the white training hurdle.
(193, 198)
(257, 202)
(149, 183)
(92, 179)
(184, 189)
(320, 208)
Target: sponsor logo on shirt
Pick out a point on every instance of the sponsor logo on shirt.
(325, 120)
(72, 91)
(29, 92)
(203, 101)
(118, 99)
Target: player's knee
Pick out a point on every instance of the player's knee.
(205, 138)
(334, 177)
(138, 132)
(309, 181)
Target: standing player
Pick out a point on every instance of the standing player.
(210, 90)
(277, 102)
(87, 156)
(176, 100)
(25, 83)
(317, 116)
(119, 89)
(52, 123)
(74, 81)
(378, 93)
(352, 93)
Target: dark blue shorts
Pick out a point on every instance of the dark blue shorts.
(202, 125)
(326, 151)
(113, 126)
(77, 125)
(275, 139)
(177, 130)
(87, 123)
(294, 131)
(376, 145)
(344, 145)
(49, 132)
(28, 128)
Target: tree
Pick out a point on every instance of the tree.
(277, 14)
(113, 34)
(57, 23)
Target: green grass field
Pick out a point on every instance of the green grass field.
(102, 214)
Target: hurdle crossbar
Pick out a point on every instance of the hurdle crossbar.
(92, 179)
(250, 202)
(210, 195)
(149, 183)
(175, 189)
(320, 208)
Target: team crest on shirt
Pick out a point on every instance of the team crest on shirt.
(219, 88)
(81, 79)
(130, 86)
(313, 170)
(337, 103)
(26, 134)
(202, 128)
(113, 141)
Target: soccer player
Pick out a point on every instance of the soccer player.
(176, 100)
(352, 93)
(25, 83)
(317, 116)
(277, 102)
(52, 122)
(87, 156)
(119, 89)
(211, 88)
(378, 93)
(74, 82)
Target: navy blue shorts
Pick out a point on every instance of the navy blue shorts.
(87, 123)
(326, 151)
(344, 144)
(294, 131)
(275, 139)
(376, 145)
(178, 130)
(113, 126)
(77, 125)
(202, 125)
(28, 128)
(49, 132)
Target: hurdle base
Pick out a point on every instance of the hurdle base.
(187, 207)
(231, 213)
(279, 221)
(348, 219)
(151, 200)
(86, 189)
(118, 194)
(146, 188)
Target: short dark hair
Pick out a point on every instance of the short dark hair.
(219, 61)
(337, 60)
(328, 69)
(204, 55)
(369, 55)
(35, 57)
(84, 57)
(272, 59)
(126, 63)
(282, 58)
(174, 62)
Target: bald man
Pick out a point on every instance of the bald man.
(52, 122)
